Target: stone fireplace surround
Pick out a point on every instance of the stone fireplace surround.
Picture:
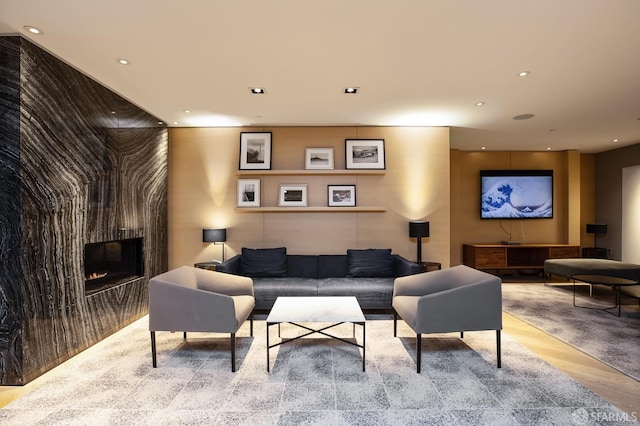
(78, 165)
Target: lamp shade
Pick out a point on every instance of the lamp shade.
(596, 228)
(210, 235)
(418, 228)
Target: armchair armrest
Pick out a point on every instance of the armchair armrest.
(423, 283)
(225, 284)
(475, 306)
(173, 307)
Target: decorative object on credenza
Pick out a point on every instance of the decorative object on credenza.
(318, 159)
(293, 195)
(419, 229)
(341, 195)
(248, 192)
(364, 154)
(255, 151)
(215, 236)
(596, 229)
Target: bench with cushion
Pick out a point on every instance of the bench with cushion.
(568, 267)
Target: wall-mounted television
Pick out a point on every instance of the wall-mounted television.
(516, 194)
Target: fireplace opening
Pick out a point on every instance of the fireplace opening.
(111, 263)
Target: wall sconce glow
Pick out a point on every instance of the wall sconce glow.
(423, 118)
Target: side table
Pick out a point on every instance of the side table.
(430, 266)
(614, 282)
(207, 265)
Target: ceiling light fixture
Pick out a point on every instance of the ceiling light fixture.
(524, 73)
(483, 148)
(548, 148)
(351, 90)
(123, 61)
(33, 30)
(187, 111)
(479, 103)
(523, 116)
(258, 90)
(175, 122)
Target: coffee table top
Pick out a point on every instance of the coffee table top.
(604, 279)
(316, 309)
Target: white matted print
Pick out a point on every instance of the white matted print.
(342, 195)
(293, 195)
(248, 192)
(318, 159)
(364, 154)
(255, 151)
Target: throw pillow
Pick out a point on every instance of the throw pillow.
(370, 263)
(270, 262)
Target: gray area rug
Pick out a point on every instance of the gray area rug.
(606, 337)
(314, 381)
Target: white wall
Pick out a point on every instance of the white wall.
(631, 214)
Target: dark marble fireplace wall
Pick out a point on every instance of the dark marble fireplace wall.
(78, 164)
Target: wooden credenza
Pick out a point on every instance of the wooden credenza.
(521, 256)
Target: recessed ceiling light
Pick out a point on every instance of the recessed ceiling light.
(524, 73)
(548, 148)
(483, 148)
(123, 61)
(33, 30)
(175, 122)
(615, 140)
(258, 90)
(351, 90)
(523, 116)
(479, 103)
(187, 111)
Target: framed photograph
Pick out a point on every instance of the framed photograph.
(293, 195)
(364, 154)
(255, 151)
(318, 158)
(342, 195)
(248, 192)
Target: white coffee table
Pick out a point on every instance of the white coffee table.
(336, 310)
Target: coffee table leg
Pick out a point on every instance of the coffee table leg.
(364, 345)
(267, 347)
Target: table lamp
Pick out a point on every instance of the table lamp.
(419, 229)
(215, 236)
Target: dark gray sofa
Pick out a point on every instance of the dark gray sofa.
(366, 274)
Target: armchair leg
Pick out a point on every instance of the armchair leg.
(233, 352)
(251, 324)
(462, 334)
(419, 354)
(395, 323)
(185, 336)
(153, 349)
(498, 347)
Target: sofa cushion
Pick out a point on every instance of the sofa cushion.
(369, 263)
(332, 265)
(302, 266)
(271, 262)
(267, 290)
(372, 293)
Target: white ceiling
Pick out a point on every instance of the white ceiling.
(417, 62)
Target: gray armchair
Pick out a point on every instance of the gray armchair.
(456, 299)
(198, 300)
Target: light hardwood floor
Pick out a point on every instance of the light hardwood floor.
(615, 387)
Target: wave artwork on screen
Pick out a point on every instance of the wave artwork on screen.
(517, 196)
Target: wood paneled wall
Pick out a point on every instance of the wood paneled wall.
(203, 166)
(573, 199)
